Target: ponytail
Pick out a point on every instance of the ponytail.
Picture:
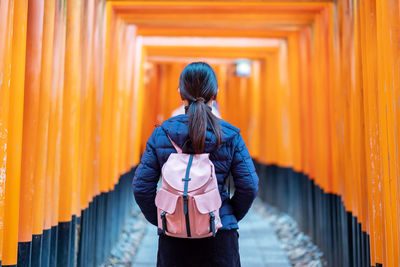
(198, 85)
(200, 115)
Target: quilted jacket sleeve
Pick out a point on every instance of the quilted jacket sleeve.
(245, 178)
(145, 180)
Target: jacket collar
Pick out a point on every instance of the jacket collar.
(177, 129)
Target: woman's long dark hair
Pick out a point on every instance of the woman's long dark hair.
(198, 85)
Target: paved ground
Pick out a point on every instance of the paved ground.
(258, 244)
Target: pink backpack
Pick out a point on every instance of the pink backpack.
(188, 201)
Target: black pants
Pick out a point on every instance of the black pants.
(219, 251)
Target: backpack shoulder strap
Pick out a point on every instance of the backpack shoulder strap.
(178, 149)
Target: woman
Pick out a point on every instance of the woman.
(199, 131)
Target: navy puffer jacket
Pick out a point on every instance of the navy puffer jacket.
(231, 157)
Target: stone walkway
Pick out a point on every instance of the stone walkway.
(258, 245)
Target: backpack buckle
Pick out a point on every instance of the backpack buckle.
(212, 223)
(164, 222)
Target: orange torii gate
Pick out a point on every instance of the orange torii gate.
(72, 117)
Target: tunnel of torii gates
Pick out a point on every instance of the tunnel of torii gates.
(83, 84)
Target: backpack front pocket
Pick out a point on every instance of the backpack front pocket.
(206, 211)
(168, 211)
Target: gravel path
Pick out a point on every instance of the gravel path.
(299, 247)
(268, 238)
(258, 244)
(130, 240)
